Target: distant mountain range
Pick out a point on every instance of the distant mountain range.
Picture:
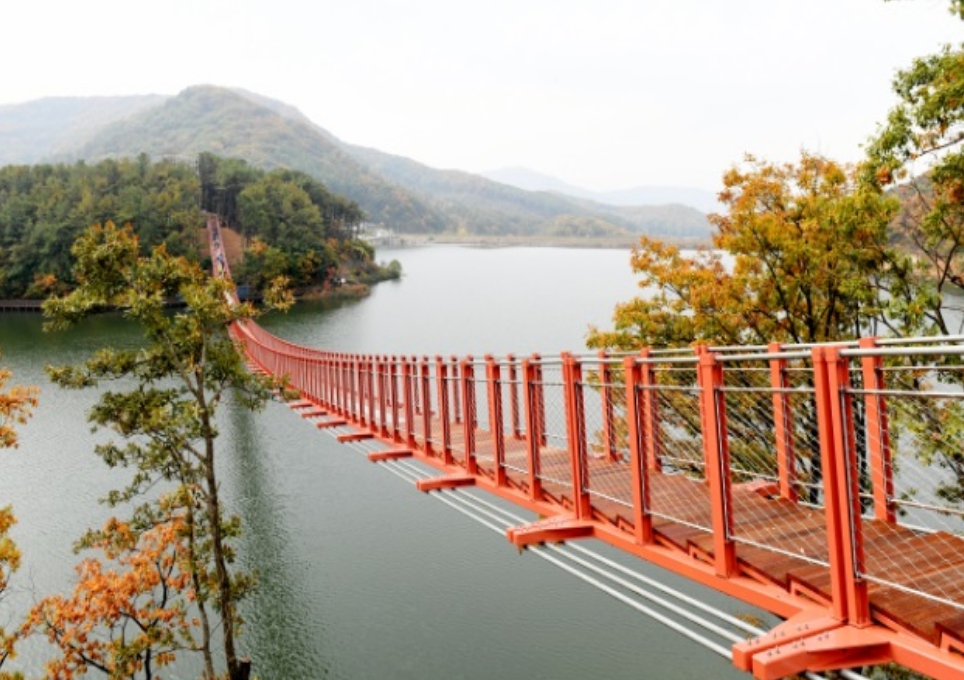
(396, 192)
(530, 180)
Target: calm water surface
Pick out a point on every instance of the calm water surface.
(362, 576)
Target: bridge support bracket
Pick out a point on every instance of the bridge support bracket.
(550, 530)
(446, 482)
(810, 643)
(803, 625)
(300, 403)
(389, 454)
(313, 412)
(354, 436)
(334, 422)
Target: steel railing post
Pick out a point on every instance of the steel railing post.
(496, 428)
(514, 396)
(635, 433)
(783, 425)
(606, 395)
(841, 497)
(408, 402)
(532, 437)
(441, 378)
(471, 415)
(651, 427)
(423, 368)
(576, 435)
(878, 434)
(717, 457)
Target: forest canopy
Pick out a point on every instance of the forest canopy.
(308, 233)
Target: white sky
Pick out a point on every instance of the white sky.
(605, 94)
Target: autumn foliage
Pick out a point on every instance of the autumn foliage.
(127, 615)
(16, 404)
(801, 255)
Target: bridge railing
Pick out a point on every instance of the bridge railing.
(773, 445)
(908, 467)
(666, 390)
(869, 439)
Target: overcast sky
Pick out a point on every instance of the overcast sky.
(605, 94)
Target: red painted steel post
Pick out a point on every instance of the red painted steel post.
(841, 504)
(394, 397)
(441, 377)
(360, 389)
(606, 394)
(456, 396)
(381, 367)
(651, 429)
(635, 432)
(346, 385)
(363, 390)
(311, 378)
(330, 382)
(296, 377)
(576, 435)
(717, 456)
(532, 438)
(878, 434)
(409, 410)
(539, 392)
(355, 388)
(471, 414)
(493, 376)
(339, 386)
(514, 396)
(416, 398)
(370, 390)
(848, 487)
(783, 425)
(343, 386)
(423, 378)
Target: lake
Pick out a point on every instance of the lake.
(361, 576)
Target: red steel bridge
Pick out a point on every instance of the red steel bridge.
(823, 483)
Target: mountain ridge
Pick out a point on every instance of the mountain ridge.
(533, 180)
(394, 191)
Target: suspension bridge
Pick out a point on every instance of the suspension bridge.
(823, 483)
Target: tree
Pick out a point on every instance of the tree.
(16, 405)
(802, 256)
(918, 153)
(130, 618)
(167, 420)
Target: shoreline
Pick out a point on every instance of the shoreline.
(530, 241)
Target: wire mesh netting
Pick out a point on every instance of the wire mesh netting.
(551, 439)
(909, 468)
(773, 441)
(454, 412)
(484, 439)
(515, 458)
(675, 458)
(607, 476)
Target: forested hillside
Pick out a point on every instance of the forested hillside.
(43, 208)
(220, 121)
(393, 191)
(295, 226)
(478, 205)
